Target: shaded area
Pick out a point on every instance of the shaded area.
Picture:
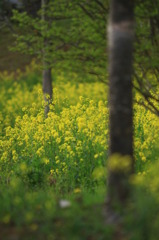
(10, 61)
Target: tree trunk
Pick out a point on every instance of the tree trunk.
(121, 36)
(47, 88)
(47, 79)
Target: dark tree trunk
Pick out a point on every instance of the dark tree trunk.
(47, 79)
(47, 88)
(121, 36)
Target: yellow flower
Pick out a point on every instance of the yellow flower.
(77, 190)
(23, 167)
(52, 171)
(46, 161)
(118, 162)
(40, 151)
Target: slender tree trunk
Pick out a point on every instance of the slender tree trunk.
(121, 36)
(47, 79)
(47, 88)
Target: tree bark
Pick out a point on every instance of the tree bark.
(47, 88)
(121, 36)
(47, 78)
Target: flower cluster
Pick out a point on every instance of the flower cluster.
(67, 146)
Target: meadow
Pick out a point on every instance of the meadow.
(53, 170)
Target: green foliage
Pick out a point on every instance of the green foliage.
(146, 52)
(142, 221)
(40, 215)
(67, 36)
(73, 37)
